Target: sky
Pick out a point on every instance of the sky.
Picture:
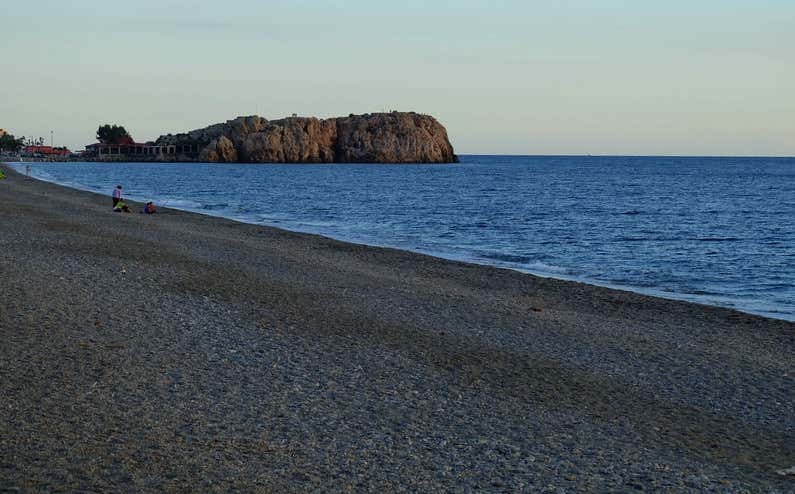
(697, 77)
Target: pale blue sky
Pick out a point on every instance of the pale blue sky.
(504, 76)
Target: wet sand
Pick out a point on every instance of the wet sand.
(180, 352)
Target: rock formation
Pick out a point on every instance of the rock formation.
(291, 140)
(371, 138)
(392, 138)
(220, 150)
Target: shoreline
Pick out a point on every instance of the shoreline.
(186, 351)
(729, 303)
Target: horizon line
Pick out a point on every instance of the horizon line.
(564, 155)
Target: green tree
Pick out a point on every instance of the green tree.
(10, 143)
(111, 134)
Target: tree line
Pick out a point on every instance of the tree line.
(10, 143)
(106, 134)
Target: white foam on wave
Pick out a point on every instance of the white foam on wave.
(547, 268)
(173, 202)
(316, 224)
(269, 218)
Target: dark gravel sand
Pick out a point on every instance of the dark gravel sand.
(184, 353)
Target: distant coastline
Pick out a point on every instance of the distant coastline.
(75, 157)
(396, 137)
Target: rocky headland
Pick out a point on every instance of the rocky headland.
(396, 137)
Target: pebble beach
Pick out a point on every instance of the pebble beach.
(178, 352)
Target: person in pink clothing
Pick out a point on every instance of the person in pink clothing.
(116, 195)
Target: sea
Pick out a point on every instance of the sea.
(717, 231)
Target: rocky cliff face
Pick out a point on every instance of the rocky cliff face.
(291, 140)
(220, 150)
(372, 138)
(392, 138)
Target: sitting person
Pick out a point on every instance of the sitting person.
(121, 206)
(149, 208)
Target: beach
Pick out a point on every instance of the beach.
(181, 352)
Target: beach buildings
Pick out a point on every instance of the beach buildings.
(129, 150)
(46, 151)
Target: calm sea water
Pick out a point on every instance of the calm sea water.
(719, 231)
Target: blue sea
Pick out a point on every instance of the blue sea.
(718, 231)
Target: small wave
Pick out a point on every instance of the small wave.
(633, 282)
(316, 224)
(648, 239)
(701, 292)
(631, 213)
(791, 314)
(767, 287)
(547, 268)
(506, 257)
(178, 203)
(213, 207)
(715, 239)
